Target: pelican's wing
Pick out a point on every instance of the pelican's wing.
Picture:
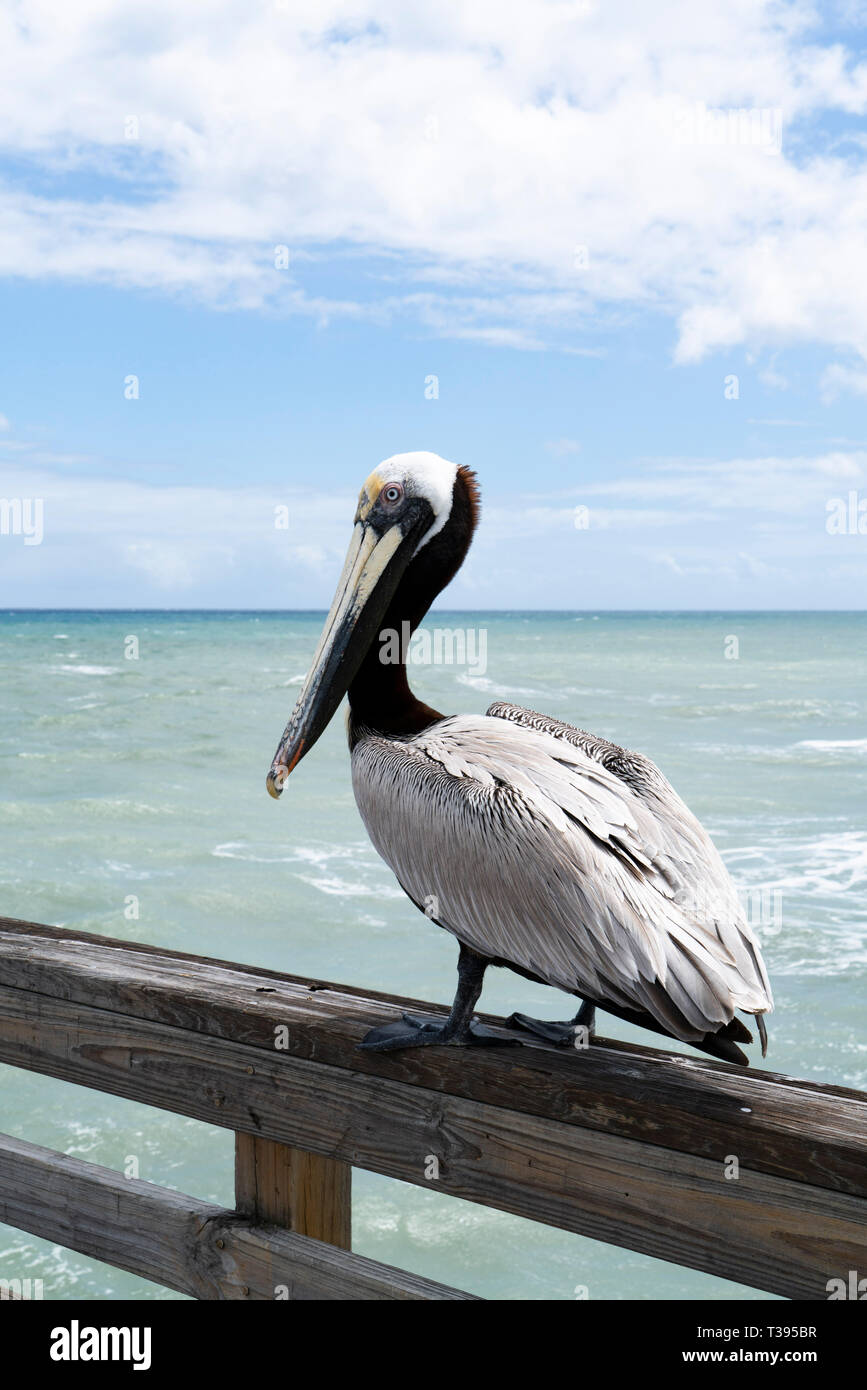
(535, 854)
(702, 884)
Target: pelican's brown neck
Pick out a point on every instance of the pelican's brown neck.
(380, 699)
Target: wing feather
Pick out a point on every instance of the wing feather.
(686, 855)
(537, 853)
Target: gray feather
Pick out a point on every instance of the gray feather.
(565, 856)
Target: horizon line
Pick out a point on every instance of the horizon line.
(51, 608)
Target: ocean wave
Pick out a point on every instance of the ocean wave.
(364, 875)
(115, 867)
(834, 745)
(84, 808)
(301, 854)
(587, 690)
(350, 888)
(779, 709)
(804, 897)
(503, 692)
(808, 752)
(85, 670)
(832, 863)
(722, 685)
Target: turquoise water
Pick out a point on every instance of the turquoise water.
(145, 778)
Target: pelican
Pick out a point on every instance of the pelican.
(539, 846)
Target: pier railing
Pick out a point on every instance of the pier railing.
(745, 1174)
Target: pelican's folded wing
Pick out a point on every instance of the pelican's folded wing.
(533, 852)
(702, 884)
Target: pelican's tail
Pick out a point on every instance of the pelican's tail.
(724, 1043)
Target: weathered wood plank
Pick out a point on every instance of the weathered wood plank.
(797, 1130)
(786, 1237)
(185, 1244)
(304, 1192)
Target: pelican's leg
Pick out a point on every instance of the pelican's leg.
(576, 1032)
(458, 1029)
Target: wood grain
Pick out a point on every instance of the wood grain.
(783, 1236)
(775, 1125)
(194, 1247)
(304, 1192)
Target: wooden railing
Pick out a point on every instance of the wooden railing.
(748, 1175)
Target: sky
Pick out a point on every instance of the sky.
(611, 256)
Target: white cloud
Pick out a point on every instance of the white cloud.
(841, 465)
(739, 532)
(561, 448)
(122, 543)
(774, 379)
(168, 566)
(785, 486)
(837, 379)
(474, 146)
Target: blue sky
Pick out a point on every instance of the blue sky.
(434, 177)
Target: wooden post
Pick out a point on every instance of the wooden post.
(304, 1192)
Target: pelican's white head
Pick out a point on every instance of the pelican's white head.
(412, 475)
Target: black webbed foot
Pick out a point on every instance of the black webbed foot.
(430, 1032)
(574, 1032)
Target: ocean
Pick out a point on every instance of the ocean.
(134, 749)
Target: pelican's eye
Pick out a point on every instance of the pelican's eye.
(392, 493)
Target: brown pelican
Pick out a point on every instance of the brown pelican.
(539, 846)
